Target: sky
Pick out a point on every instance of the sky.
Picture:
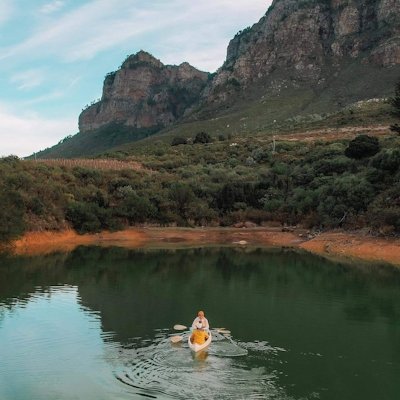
(54, 54)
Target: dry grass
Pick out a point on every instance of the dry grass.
(95, 164)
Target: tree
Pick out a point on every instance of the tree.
(136, 209)
(182, 195)
(395, 103)
(387, 160)
(362, 146)
(202, 137)
(177, 140)
(83, 217)
(12, 210)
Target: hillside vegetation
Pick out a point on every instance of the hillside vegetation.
(262, 118)
(293, 129)
(85, 144)
(323, 183)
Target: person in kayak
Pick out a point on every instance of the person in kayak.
(200, 329)
(201, 322)
(199, 336)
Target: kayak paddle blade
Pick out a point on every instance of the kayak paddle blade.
(180, 327)
(176, 339)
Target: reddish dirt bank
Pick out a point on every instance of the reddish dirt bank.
(327, 244)
(355, 247)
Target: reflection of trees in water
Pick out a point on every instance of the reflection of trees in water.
(229, 267)
(179, 263)
(193, 273)
(20, 277)
(137, 290)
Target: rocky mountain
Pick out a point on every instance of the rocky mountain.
(303, 61)
(144, 93)
(312, 38)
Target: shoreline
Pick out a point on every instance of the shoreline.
(338, 245)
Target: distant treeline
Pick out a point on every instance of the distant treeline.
(349, 184)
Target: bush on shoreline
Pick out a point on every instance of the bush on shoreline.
(214, 185)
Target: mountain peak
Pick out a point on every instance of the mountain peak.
(141, 58)
(302, 58)
(144, 93)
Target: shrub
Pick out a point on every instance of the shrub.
(12, 210)
(202, 137)
(177, 140)
(36, 206)
(107, 219)
(11, 160)
(236, 192)
(83, 217)
(182, 195)
(273, 205)
(362, 146)
(388, 160)
(395, 103)
(337, 165)
(136, 209)
(88, 175)
(124, 191)
(250, 161)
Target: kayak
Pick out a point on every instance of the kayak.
(197, 347)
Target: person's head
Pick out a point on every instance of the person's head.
(200, 314)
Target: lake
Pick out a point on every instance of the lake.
(96, 323)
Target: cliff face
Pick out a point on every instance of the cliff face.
(316, 56)
(145, 93)
(305, 36)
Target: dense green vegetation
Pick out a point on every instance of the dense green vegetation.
(344, 183)
(395, 103)
(232, 173)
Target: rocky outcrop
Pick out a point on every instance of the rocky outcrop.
(314, 45)
(306, 36)
(145, 93)
(387, 54)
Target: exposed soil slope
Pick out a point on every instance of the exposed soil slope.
(350, 246)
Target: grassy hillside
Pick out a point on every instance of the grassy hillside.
(292, 105)
(242, 126)
(313, 183)
(279, 103)
(97, 141)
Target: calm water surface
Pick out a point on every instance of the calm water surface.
(96, 324)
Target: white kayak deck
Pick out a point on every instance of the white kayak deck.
(197, 347)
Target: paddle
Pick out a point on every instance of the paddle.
(176, 339)
(222, 330)
(180, 327)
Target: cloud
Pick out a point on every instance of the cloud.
(52, 7)
(91, 27)
(6, 11)
(56, 45)
(28, 79)
(100, 25)
(55, 94)
(24, 135)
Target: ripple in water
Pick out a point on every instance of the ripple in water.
(167, 370)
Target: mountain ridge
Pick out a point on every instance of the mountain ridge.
(143, 93)
(302, 60)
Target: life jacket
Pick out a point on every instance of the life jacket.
(199, 336)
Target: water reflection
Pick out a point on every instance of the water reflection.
(101, 319)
